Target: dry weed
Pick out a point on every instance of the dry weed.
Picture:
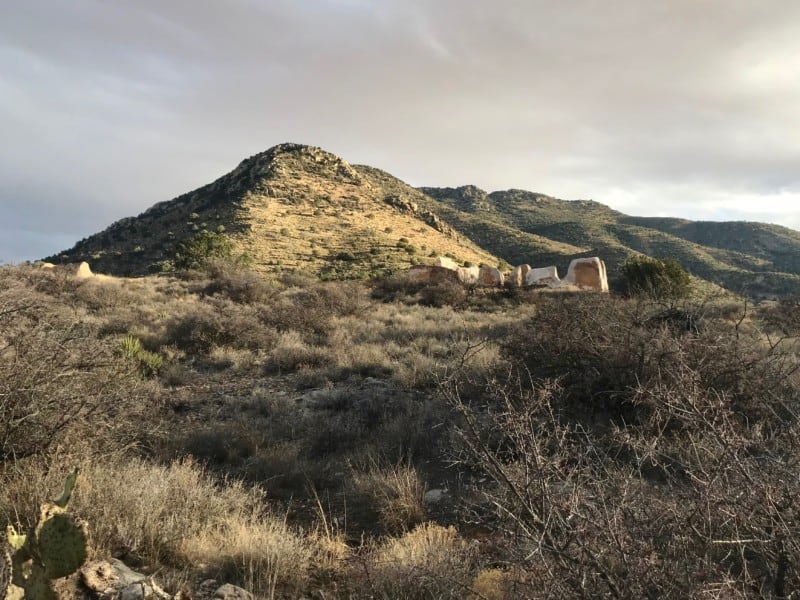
(396, 492)
(429, 562)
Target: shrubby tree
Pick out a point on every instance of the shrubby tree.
(659, 278)
(203, 246)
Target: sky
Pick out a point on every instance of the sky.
(686, 108)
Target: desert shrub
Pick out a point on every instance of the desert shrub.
(497, 584)
(395, 287)
(429, 562)
(444, 293)
(104, 295)
(659, 278)
(222, 324)
(783, 316)
(203, 246)
(606, 444)
(310, 309)
(60, 384)
(221, 443)
(580, 341)
(237, 283)
(185, 515)
(345, 256)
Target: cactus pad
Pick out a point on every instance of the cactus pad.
(62, 540)
(37, 586)
(69, 485)
(17, 540)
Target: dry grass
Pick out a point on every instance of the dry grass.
(262, 552)
(308, 220)
(291, 385)
(396, 493)
(429, 562)
(179, 515)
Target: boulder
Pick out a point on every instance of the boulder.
(468, 275)
(543, 276)
(47, 265)
(519, 275)
(431, 274)
(114, 579)
(587, 274)
(490, 276)
(446, 262)
(84, 271)
(232, 592)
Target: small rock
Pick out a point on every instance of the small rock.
(232, 592)
(434, 496)
(134, 591)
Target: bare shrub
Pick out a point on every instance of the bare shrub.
(602, 348)
(222, 324)
(783, 316)
(310, 309)
(237, 283)
(396, 287)
(444, 293)
(61, 385)
(644, 461)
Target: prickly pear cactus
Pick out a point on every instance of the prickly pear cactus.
(56, 547)
(62, 541)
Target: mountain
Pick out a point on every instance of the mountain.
(756, 259)
(291, 207)
(296, 207)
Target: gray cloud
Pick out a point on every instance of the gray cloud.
(684, 108)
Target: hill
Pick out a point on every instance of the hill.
(296, 207)
(293, 207)
(756, 259)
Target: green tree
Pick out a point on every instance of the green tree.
(204, 245)
(642, 275)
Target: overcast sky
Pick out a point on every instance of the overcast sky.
(684, 108)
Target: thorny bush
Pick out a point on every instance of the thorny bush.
(633, 459)
(59, 384)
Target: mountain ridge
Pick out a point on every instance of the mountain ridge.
(298, 207)
(756, 259)
(291, 207)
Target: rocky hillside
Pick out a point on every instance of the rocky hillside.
(292, 207)
(755, 259)
(298, 207)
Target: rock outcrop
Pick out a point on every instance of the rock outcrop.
(446, 262)
(519, 275)
(543, 276)
(84, 271)
(490, 276)
(468, 275)
(587, 274)
(432, 274)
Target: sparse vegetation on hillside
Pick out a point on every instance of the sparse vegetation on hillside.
(753, 259)
(299, 208)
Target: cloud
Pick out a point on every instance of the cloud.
(671, 107)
